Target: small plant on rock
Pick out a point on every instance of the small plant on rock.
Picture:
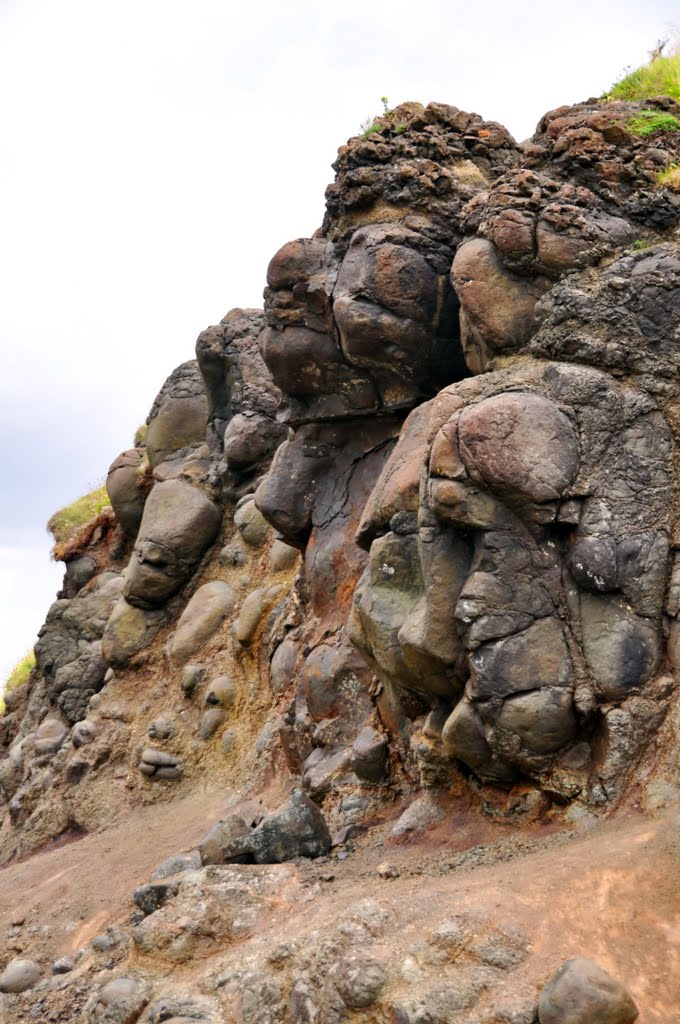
(382, 122)
(140, 435)
(372, 128)
(652, 122)
(670, 178)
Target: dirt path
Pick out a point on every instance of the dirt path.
(611, 893)
(75, 889)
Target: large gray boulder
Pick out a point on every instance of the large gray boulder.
(19, 976)
(129, 630)
(178, 525)
(202, 617)
(127, 489)
(580, 992)
(529, 553)
(298, 829)
(179, 414)
(50, 736)
(69, 648)
(242, 398)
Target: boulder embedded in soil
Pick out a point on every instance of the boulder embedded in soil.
(19, 976)
(580, 992)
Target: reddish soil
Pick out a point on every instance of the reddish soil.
(611, 893)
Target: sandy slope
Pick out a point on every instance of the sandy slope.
(611, 892)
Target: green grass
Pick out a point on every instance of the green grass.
(67, 522)
(651, 122)
(661, 77)
(20, 672)
(382, 122)
(384, 126)
(18, 676)
(670, 178)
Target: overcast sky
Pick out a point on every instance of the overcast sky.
(155, 154)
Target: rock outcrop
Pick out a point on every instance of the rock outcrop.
(398, 550)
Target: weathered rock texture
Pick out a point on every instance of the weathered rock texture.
(412, 527)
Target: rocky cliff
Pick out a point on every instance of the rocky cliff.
(374, 658)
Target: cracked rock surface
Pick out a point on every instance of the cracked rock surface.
(388, 596)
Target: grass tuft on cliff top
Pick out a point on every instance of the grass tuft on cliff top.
(18, 676)
(68, 521)
(20, 672)
(661, 77)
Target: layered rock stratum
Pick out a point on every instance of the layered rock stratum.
(360, 704)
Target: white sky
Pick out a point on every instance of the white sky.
(154, 155)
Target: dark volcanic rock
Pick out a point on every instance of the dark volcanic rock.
(441, 467)
(69, 648)
(298, 829)
(152, 895)
(242, 398)
(226, 842)
(428, 160)
(505, 453)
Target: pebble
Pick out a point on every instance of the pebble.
(63, 965)
(232, 555)
(118, 989)
(221, 692)
(346, 833)
(418, 817)
(252, 610)
(192, 675)
(211, 720)
(50, 736)
(387, 870)
(158, 757)
(282, 556)
(152, 895)
(353, 803)
(157, 764)
(162, 728)
(251, 524)
(83, 733)
(224, 842)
